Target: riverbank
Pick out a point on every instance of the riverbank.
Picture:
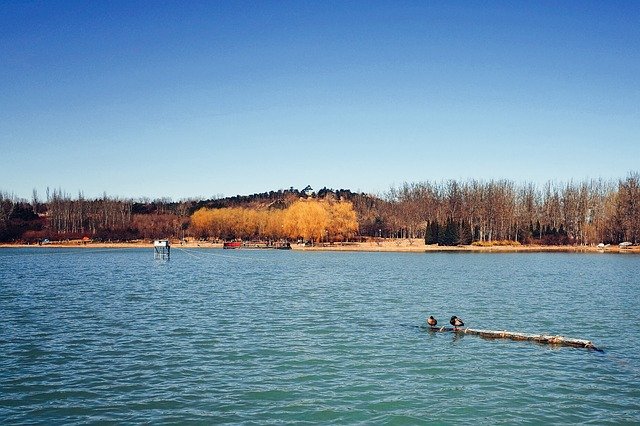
(380, 245)
(418, 246)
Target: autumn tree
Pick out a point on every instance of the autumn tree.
(343, 222)
(306, 219)
(309, 219)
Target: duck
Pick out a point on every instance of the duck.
(432, 321)
(456, 322)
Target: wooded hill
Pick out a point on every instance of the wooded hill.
(450, 213)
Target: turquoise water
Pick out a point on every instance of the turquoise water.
(268, 337)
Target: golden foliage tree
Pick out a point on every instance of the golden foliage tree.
(273, 224)
(343, 223)
(306, 219)
(200, 223)
(311, 220)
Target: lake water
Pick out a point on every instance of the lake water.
(267, 337)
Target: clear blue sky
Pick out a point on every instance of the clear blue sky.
(193, 99)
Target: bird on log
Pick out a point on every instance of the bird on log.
(432, 321)
(503, 334)
(456, 322)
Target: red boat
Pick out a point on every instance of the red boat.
(232, 244)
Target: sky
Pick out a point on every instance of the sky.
(217, 98)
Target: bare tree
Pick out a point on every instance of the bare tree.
(7, 205)
(629, 207)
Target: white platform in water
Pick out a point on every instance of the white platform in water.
(161, 243)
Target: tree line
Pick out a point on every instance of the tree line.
(454, 212)
(306, 219)
(449, 212)
(63, 217)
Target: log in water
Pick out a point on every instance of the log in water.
(538, 338)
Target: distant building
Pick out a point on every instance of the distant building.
(308, 191)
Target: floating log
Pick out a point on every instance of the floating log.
(538, 338)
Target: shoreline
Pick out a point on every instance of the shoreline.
(391, 246)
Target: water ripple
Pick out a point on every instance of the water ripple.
(287, 337)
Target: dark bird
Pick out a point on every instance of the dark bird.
(432, 321)
(456, 322)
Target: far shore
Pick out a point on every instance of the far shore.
(381, 245)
